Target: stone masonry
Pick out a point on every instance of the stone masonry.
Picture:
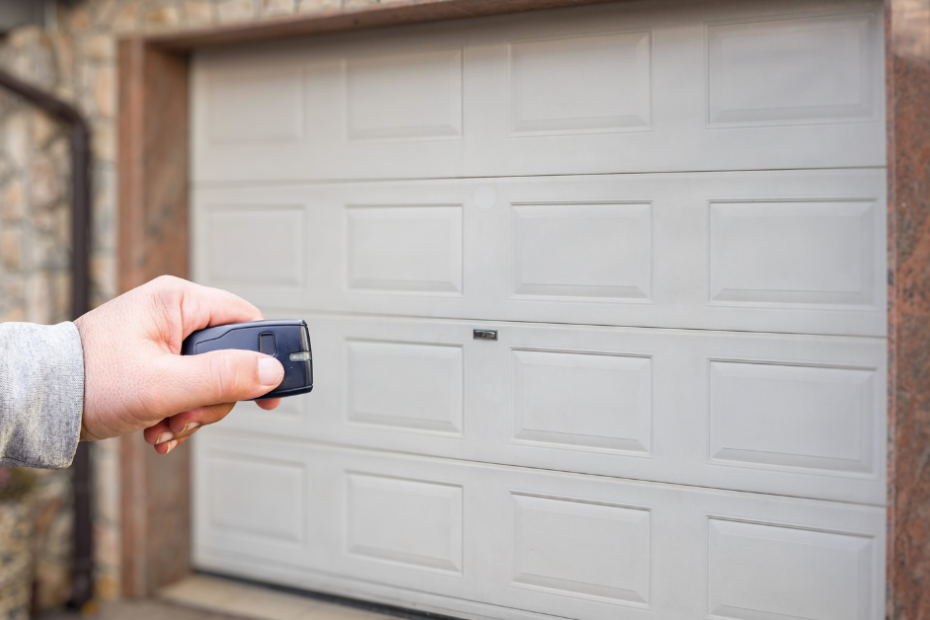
(34, 260)
(74, 57)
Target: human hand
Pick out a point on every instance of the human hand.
(135, 377)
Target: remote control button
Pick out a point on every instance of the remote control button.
(266, 344)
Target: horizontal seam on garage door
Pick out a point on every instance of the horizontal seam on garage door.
(227, 184)
(323, 314)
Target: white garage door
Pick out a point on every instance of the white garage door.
(672, 214)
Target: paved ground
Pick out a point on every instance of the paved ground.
(142, 610)
(205, 597)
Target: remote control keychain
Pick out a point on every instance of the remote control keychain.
(288, 341)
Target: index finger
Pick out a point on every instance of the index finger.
(204, 306)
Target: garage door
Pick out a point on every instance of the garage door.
(597, 306)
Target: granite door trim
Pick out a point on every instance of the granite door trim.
(907, 61)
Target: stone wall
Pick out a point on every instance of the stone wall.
(74, 56)
(34, 265)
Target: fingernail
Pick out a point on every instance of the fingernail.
(163, 437)
(269, 371)
(190, 426)
(171, 446)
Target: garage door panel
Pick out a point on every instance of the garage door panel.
(585, 84)
(562, 544)
(680, 134)
(255, 245)
(405, 385)
(401, 521)
(576, 400)
(772, 572)
(389, 105)
(598, 90)
(238, 488)
(255, 106)
(408, 96)
(786, 71)
(256, 504)
(412, 523)
(803, 416)
(613, 540)
(416, 248)
(676, 573)
(582, 250)
(254, 102)
(792, 415)
(682, 419)
(798, 252)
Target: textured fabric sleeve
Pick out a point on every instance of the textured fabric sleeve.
(41, 394)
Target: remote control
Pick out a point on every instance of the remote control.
(288, 341)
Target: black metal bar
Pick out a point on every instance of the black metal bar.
(83, 576)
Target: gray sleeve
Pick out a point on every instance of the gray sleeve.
(41, 394)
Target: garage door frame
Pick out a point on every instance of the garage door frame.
(154, 236)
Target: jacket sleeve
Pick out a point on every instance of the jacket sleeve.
(41, 394)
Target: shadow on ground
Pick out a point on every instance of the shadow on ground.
(140, 610)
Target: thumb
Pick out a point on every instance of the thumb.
(226, 376)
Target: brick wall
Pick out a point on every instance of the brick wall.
(74, 56)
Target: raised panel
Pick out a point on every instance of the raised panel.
(796, 416)
(793, 252)
(583, 401)
(583, 250)
(409, 522)
(252, 106)
(405, 248)
(257, 497)
(582, 548)
(406, 386)
(772, 251)
(408, 96)
(461, 536)
(689, 86)
(771, 572)
(778, 414)
(579, 85)
(255, 245)
(792, 70)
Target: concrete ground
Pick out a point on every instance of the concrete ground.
(204, 597)
(142, 610)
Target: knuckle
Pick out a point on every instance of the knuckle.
(170, 296)
(166, 281)
(221, 375)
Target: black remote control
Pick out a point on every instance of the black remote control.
(288, 341)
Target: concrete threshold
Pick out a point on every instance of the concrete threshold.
(253, 602)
